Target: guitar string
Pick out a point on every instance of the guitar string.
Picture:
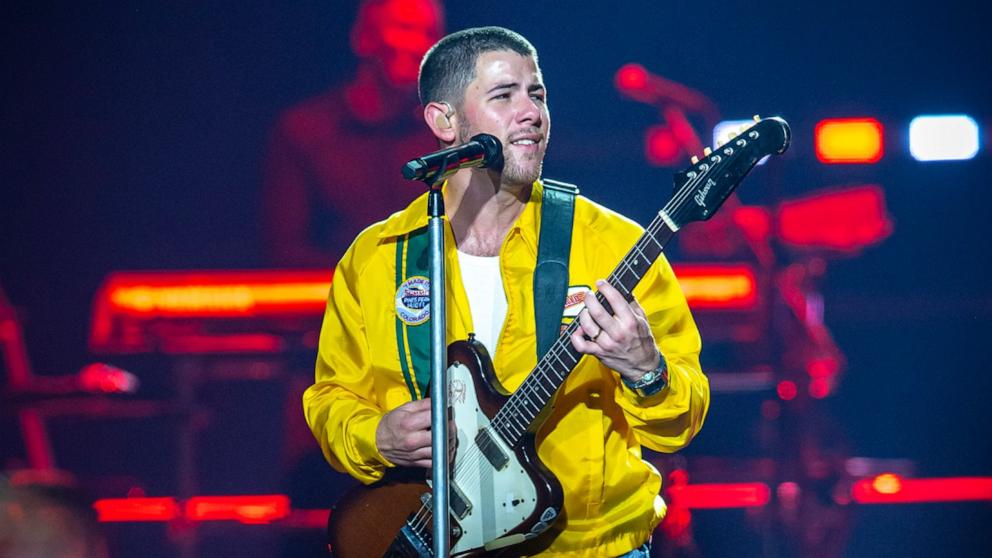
(475, 455)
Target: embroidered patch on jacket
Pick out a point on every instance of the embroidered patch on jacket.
(575, 300)
(413, 300)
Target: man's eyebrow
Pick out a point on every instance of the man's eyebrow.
(513, 84)
(509, 85)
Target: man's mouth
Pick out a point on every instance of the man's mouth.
(529, 139)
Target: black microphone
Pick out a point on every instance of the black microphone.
(483, 150)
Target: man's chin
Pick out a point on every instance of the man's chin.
(520, 177)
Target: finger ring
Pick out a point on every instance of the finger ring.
(594, 337)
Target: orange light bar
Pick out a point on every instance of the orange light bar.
(246, 509)
(724, 287)
(216, 294)
(716, 496)
(128, 302)
(849, 140)
(889, 488)
(136, 509)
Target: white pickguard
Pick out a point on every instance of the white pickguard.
(500, 500)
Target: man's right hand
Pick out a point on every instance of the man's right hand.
(404, 434)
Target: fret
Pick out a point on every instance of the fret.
(634, 273)
(640, 250)
(544, 392)
(621, 286)
(518, 423)
(554, 354)
(504, 428)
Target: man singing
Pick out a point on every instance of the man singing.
(640, 383)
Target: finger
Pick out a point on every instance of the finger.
(417, 405)
(419, 441)
(638, 310)
(621, 309)
(602, 318)
(588, 326)
(416, 421)
(581, 345)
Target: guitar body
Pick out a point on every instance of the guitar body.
(499, 495)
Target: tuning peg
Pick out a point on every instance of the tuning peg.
(694, 159)
(707, 151)
(757, 118)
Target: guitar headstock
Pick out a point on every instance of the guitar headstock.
(702, 188)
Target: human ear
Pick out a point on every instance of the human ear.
(438, 116)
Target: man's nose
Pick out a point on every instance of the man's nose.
(529, 110)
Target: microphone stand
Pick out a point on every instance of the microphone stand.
(439, 353)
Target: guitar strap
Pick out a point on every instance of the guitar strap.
(551, 272)
(550, 285)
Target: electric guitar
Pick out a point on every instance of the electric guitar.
(500, 492)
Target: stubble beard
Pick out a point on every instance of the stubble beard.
(515, 172)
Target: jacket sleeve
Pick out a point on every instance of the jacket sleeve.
(668, 420)
(341, 406)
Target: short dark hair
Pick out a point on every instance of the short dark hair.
(449, 65)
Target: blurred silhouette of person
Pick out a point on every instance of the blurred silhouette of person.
(334, 161)
(332, 167)
(44, 515)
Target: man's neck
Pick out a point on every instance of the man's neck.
(482, 210)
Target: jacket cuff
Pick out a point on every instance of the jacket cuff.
(363, 433)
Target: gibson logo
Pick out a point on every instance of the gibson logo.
(700, 196)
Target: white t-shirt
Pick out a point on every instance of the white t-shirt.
(486, 297)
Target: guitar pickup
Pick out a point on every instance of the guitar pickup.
(491, 449)
(459, 504)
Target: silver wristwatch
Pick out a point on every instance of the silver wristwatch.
(651, 382)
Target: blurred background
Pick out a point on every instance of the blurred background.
(179, 177)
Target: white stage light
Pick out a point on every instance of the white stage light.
(947, 137)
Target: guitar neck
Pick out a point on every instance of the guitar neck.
(523, 407)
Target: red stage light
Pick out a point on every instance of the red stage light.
(716, 496)
(786, 390)
(246, 509)
(889, 488)
(631, 77)
(819, 388)
(136, 509)
(661, 146)
(754, 221)
(100, 377)
(849, 140)
(845, 219)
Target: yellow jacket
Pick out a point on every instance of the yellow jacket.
(591, 440)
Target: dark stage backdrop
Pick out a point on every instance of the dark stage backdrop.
(133, 134)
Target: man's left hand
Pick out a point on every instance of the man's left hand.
(623, 341)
